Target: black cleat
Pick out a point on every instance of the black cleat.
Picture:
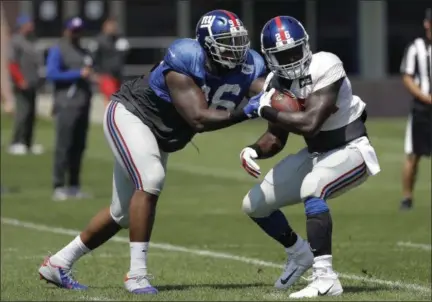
(406, 204)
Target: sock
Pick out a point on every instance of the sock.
(276, 226)
(291, 249)
(67, 256)
(319, 231)
(323, 264)
(138, 261)
(319, 226)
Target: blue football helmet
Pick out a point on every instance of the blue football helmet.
(224, 37)
(285, 44)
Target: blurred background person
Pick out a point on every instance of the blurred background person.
(7, 97)
(109, 50)
(24, 64)
(69, 68)
(6, 89)
(416, 73)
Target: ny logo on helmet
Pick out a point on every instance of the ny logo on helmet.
(207, 21)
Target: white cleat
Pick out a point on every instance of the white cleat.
(139, 284)
(37, 149)
(300, 259)
(60, 194)
(59, 276)
(323, 282)
(18, 149)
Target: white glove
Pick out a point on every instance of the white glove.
(265, 100)
(247, 156)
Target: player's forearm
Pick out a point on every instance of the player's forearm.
(271, 142)
(413, 88)
(267, 146)
(212, 119)
(301, 123)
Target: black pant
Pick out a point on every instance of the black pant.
(418, 139)
(25, 116)
(71, 136)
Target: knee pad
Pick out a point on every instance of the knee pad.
(254, 204)
(310, 186)
(154, 179)
(121, 219)
(310, 193)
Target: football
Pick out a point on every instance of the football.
(285, 101)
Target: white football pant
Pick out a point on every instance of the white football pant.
(139, 163)
(325, 175)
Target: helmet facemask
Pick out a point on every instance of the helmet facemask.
(229, 49)
(289, 61)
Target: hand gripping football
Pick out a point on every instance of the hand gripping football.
(285, 101)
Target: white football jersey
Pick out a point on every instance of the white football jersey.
(325, 69)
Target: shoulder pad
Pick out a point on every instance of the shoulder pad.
(329, 69)
(259, 64)
(186, 56)
(326, 60)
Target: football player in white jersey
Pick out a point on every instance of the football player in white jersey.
(338, 155)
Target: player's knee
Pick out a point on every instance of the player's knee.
(310, 187)
(121, 219)
(310, 193)
(154, 179)
(254, 203)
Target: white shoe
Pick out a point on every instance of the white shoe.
(139, 284)
(323, 282)
(37, 149)
(60, 194)
(59, 276)
(18, 149)
(300, 259)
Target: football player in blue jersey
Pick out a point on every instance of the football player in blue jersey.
(198, 87)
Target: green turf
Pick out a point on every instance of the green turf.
(201, 209)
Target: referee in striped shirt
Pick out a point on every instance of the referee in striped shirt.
(416, 71)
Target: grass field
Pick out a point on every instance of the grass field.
(204, 248)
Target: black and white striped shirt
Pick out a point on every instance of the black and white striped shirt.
(417, 63)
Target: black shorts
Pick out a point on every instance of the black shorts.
(418, 135)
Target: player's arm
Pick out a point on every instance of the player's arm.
(268, 145)
(271, 142)
(407, 69)
(319, 106)
(414, 89)
(190, 102)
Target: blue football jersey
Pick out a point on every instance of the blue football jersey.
(153, 105)
(186, 56)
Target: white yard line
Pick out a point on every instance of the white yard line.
(7, 254)
(208, 253)
(421, 246)
(97, 298)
